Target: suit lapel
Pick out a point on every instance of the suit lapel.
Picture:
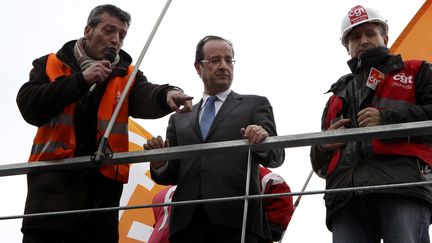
(194, 119)
(231, 102)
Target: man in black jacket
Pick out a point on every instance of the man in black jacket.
(236, 116)
(71, 96)
(382, 89)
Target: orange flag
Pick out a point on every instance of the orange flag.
(415, 42)
(136, 225)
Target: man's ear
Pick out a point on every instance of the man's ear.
(386, 40)
(198, 68)
(87, 31)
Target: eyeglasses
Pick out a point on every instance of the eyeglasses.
(217, 61)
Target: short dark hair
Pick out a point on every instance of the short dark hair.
(94, 17)
(199, 54)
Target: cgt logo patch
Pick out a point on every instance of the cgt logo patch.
(375, 77)
(403, 81)
(357, 14)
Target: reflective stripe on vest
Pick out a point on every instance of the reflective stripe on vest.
(57, 140)
(118, 140)
(118, 128)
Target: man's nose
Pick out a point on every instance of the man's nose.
(115, 39)
(224, 64)
(364, 40)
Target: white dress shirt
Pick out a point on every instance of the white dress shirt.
(218, 103)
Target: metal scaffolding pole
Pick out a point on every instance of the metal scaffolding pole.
(246, 200)
(297, 140)
(222, 199)
(100, 153)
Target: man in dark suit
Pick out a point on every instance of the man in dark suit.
(217, 175)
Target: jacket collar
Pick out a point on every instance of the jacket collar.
(65, 54)
(378, 58)
(371, 58)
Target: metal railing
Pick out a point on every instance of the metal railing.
(297, 140)
(287, 141)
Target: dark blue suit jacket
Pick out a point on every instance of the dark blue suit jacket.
(222, 174)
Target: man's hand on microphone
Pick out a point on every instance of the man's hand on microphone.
(97, 72)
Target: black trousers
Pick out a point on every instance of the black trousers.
(88, 227)
(202, 230)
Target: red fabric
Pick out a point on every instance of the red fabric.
(421, 151)
(399, 86)
(160, 232)
(335, 108)
(333, 162)
(278, 210)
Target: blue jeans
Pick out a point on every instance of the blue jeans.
(393, 218)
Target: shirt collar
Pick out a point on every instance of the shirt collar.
(221, 96)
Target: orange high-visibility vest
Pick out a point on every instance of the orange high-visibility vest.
(57, 140)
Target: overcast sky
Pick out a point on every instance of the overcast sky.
(288, 51)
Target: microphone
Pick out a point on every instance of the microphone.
(109, 55)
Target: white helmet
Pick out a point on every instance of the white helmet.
(359, 15)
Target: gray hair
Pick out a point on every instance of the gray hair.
(94, 17)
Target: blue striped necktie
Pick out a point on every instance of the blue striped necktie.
(208, 115)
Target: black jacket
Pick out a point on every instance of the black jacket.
(39, 100)
(358, 165)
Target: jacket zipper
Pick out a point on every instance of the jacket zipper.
(357, 104)
(420, 170)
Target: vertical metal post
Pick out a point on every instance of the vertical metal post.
(99, 153)
(246, 200)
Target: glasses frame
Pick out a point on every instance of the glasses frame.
(218, 62)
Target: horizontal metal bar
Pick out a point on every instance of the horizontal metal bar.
(221, 199)
(297, 140)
